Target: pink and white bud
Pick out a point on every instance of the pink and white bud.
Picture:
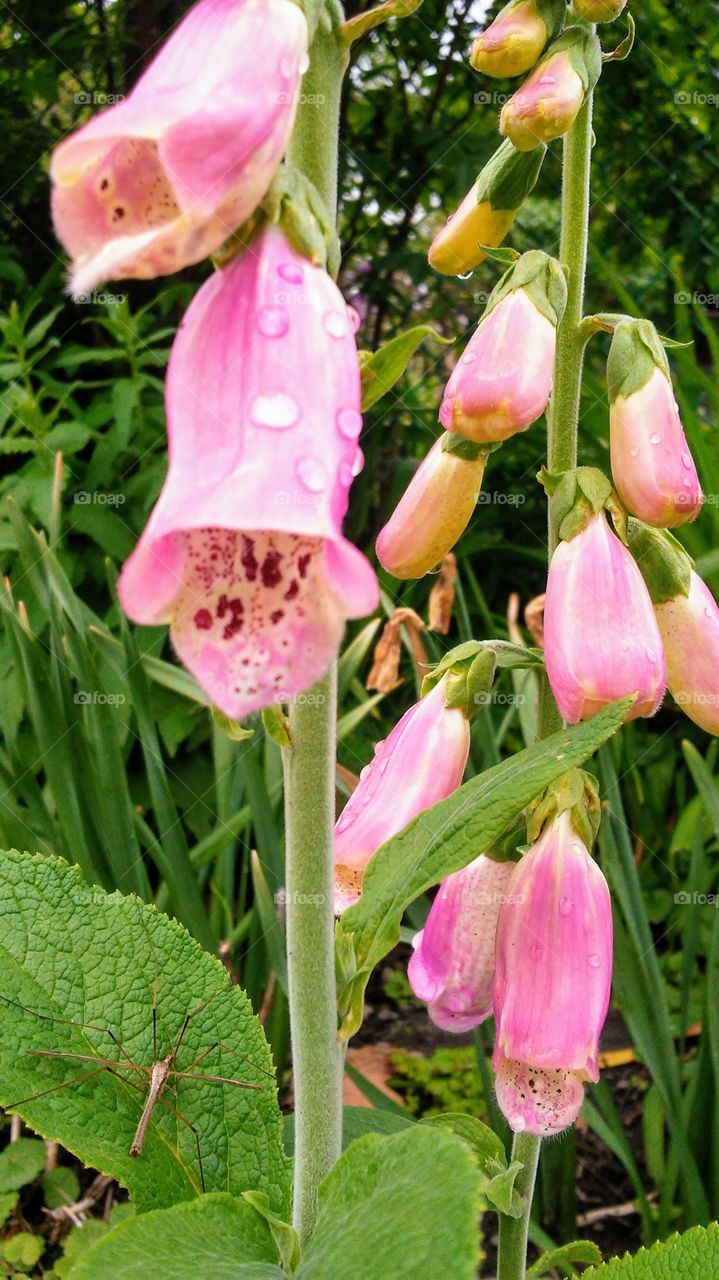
(243, 554)
(433, 512)
(689, 627)
(601, 639)
(548, 102)
(552, 981)
(501, 384)
(652, 467)
(161, 179)
(452, 967)
(511, 44)
(421, 762)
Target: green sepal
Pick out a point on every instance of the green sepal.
(313, 11)
(231, 728)
(665, 565)
(625, 46)
(381, 369)
(509, 846)
(471, 667)
(293, 203)
(277, 726)
(468, 450)
(584, 50)
(505, 257)
(577, 792)
(508, 177)
(636, 351)
(358, 26)
(541, 277)
(553, 14)
(577, 496)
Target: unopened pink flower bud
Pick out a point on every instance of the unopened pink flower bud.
(689, 626)
(502, 382)
(162, 178)
(421, 762)
(601, 639)
(512, 43)
(552, 981)
(548, 102)
(599, 10)
(452, 967)
(243, 554)
(433, 512)
(652, 467)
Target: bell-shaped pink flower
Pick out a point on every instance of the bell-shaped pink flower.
(652, 467)
(689, 627)
(601, 639)
(552, 981)
(433, 512)
(452, 967)
(421, 762)
(501, 383)
(243, 554)
(162, 178)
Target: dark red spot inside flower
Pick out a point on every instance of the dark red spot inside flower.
(277, 616)
(271, 572)
(104, 184)
(235, 608)
(203, 619)
(118, 213)
(248, 558)
(302, 564)
(293, 590)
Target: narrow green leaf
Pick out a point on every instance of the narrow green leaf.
(577, 1251)
(381, 369)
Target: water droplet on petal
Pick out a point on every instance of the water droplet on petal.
(634, 451)
(357, 462)
(469, 357)
(287, 68)
(565, 907)
(311, 473)
(303, 63)
(335, 323)
(354, 320)
(594, 961)
(349, 423)
(519, 1124)
(273, 322)
(345, 474)
(278, 411)
(537, 952)
(687, 461)
(655, 438)
(291, 271)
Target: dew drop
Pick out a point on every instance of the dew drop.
(335, 324)
(655, 438)
(349, 423)
(634, 451)
(594, 961)
(537, 952)
(519, 1124)
(273, 322)
(357, 462)
(291, 272)
(278, 411)
(565, 907)
(303, 63)
(345, 474)
(311, 473)
(546, 80)
(687, 461)
(469, 357)
(353, 319)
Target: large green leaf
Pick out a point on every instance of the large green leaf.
(70, 951)
(445, 838)
(213, 1238)
(397, 1208)
(691, 1256)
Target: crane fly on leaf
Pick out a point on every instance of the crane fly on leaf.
(156, 1077)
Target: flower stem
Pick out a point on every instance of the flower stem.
(309, 764)
(562, 428)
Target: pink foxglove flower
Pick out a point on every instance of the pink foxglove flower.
(502, 382)
(452, 967)
(243, 554)
(652, 467)
(601, 639)
(433, 512)
(552, 981)
(162, 178)
(689, 626)
(421, 762)
(548, 102)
